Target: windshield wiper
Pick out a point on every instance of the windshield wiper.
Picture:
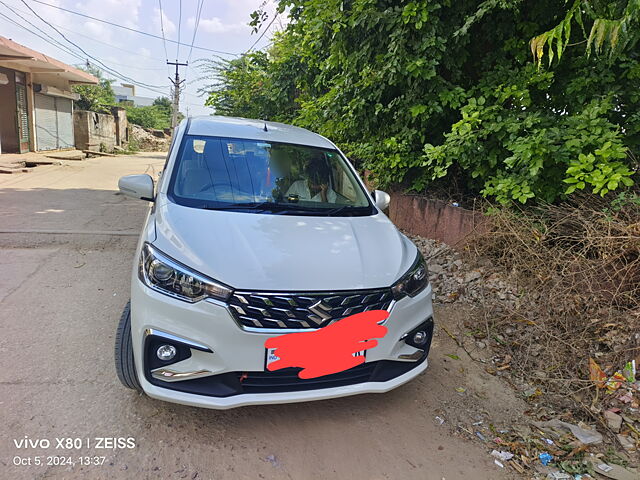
(283, 208)
(262, 206)
(343, 208)
(236, 206)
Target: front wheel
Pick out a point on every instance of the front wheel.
(125, 365)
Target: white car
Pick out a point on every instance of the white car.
(257, 230)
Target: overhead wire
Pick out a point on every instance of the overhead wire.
(179, 29)
(164, 39)
(195, 28)
(263, 32)
(193, 38)
(98, 61)
(131, 29)
(93, 39)
(47, 38)
(68, 50)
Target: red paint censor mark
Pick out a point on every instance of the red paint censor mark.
(330, 349)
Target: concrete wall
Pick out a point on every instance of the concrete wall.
(94, 131)
(435, 219)
(120, 117)
(51, 80)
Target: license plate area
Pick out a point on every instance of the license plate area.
(271, 357)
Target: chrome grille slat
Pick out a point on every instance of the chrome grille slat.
(304, 310)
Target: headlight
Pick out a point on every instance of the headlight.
(412, 282)
(162, 273)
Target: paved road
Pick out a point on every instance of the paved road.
(66, 243)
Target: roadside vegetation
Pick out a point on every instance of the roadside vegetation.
(513, 100)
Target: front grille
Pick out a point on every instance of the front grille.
(287, 380)
(304, 310)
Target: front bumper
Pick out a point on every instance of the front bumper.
(230, 355)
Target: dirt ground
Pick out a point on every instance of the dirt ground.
(66, 244)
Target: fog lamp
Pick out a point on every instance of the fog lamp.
(420, 337)
(166, 352)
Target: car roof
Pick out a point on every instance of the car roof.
(236, 127)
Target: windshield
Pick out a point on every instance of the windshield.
(253, 175)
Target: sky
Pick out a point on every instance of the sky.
(223, 27)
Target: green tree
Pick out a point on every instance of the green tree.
(156, 116)
(97, 98)
(164, 105)
(153, 116)
(163, 102)
(435, 92)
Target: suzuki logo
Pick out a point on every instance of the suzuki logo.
(322, 310)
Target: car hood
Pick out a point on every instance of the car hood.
(283, 252)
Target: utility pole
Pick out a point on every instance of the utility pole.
(177, 83)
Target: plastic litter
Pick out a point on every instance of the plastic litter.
(548, 441)
(615, 382)
(586, 436)
(613, 471)
(557, 475)
(481, 436)
(545, 458)
(439, 420)
(497, 462)
(502, 455)
(629, 371)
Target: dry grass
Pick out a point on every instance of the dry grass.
(576, 270)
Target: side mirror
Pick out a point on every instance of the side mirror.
(382, 199)
(137, 186)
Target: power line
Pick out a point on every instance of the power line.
(195, 31)
(164, 40)
(66, 49)
(263, 32)
(16, 10)
(195, 28)
(108, 69)
(49, 39)
(179, 29)
(132, 29)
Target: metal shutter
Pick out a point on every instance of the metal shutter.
(65, 123)
(46, 122)
(23, 118)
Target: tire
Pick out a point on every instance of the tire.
(125, 365)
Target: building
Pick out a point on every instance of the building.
(126, 94)
(36, 99)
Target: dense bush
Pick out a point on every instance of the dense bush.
(96, 98)
(152, 116)
(427, 92)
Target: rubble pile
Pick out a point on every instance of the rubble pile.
(454, 280)
(149, 140)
